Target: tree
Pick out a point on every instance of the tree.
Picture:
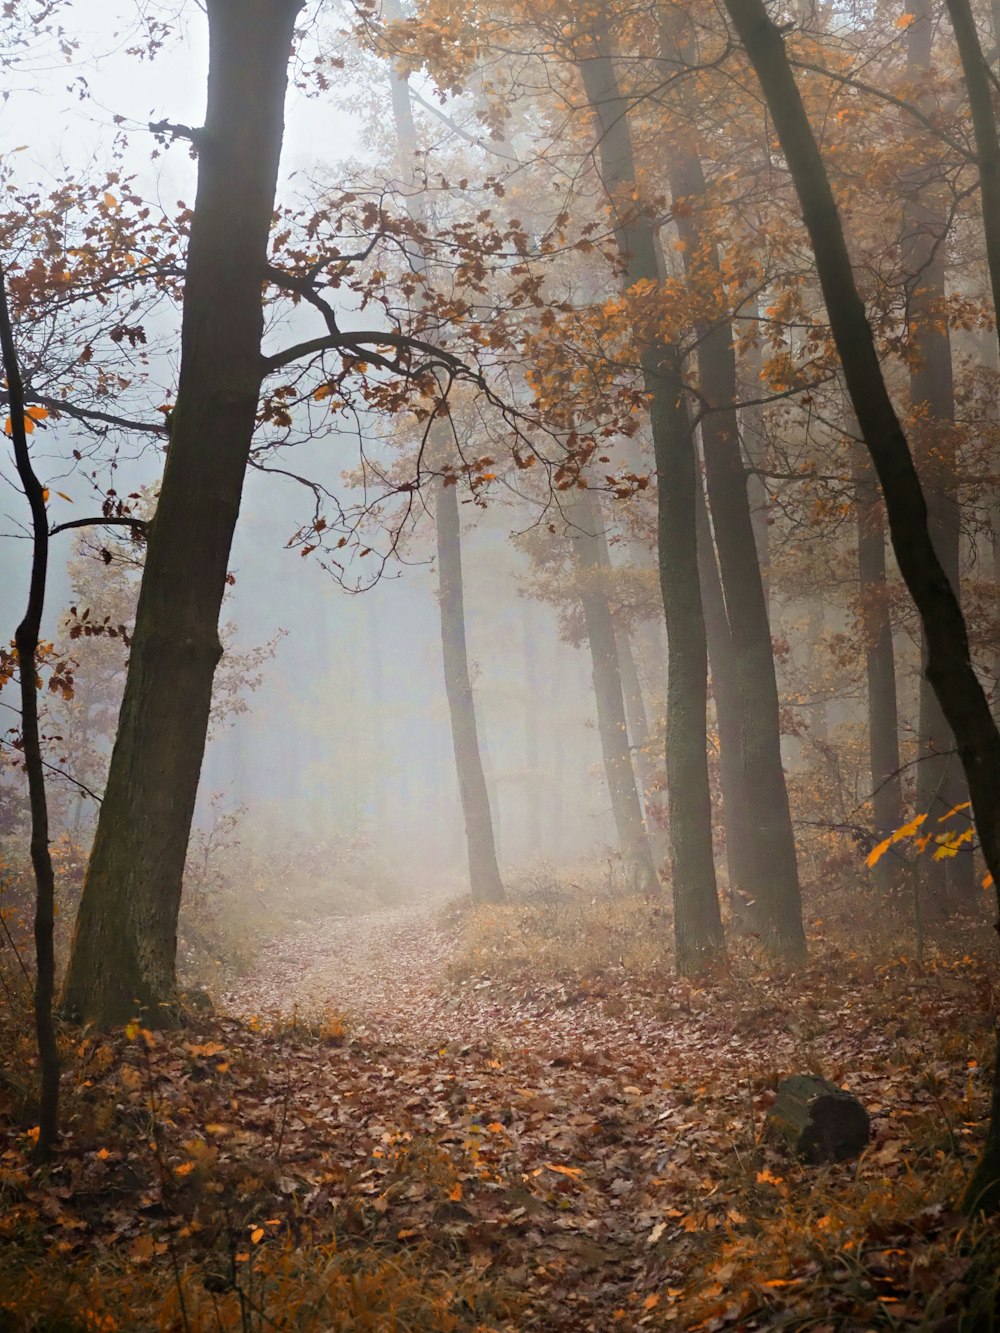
(484, 875)
(770, 858)
(698, 924)
(26, 645)
(589, 545)
(940, 787)
(124, 942)
(948, 666)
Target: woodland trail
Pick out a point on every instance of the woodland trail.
(602, 1137)
(524, 1151)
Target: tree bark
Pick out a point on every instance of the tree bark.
(124, 945)
(754, 441)
(940, 784)
(732, 774)
(484, 876)
(880, 667)
(949, 667)
(590, 557)
(776, 913)
(984, 1188)
(697, 920)
(26, 644)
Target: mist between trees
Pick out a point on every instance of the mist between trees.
(582, 494)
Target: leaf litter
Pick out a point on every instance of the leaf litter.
(440, 1145)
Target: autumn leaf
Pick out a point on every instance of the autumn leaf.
(907, 831)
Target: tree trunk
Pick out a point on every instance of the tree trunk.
(776, 913)
(26, 644)
(754, 442)
(642, 745)
(880, 664)
(940, 784)
(733, 776)
(124, 946)
(984, 1187)
(949, 667)
(484, 876)
(587, 538)
(532, 728)
(697, 920)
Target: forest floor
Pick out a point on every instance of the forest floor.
(512, 1120)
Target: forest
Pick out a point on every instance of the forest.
(500, 665)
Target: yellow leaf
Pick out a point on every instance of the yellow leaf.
(907, 831)
(966, 805)
(651, 1302)
(103, 1154)
(36, 413)
(109, 200)
(184, 1169)
(951, 842)
(216, 1130)
(455, 1193)
(904, 21)
(256, 1235)
(63, 496)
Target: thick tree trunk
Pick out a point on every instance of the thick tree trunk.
(949, 667)
(697, 920)
(124, 945)
(590, 557)
(776, 913)
(984, 1187)
(484, 876)
(940, 783)
(880, 664)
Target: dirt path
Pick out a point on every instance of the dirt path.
(381, 970)
(582, 1145)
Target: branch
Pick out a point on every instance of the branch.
(883, 96)
(195, 136)
(139, 524)
(90, 414)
